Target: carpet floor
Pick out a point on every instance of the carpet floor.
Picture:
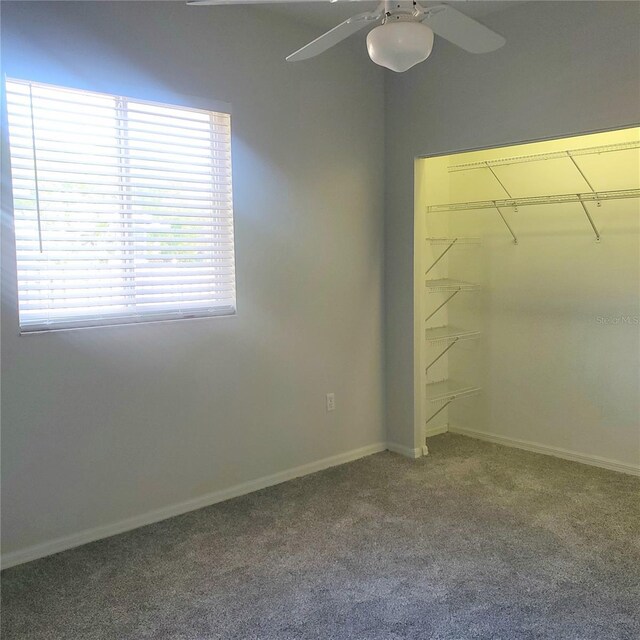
(474, 541)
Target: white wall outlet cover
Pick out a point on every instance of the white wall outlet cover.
(331, 401)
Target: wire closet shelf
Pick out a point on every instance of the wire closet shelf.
(446, 391)
(554, 155)
(581, 198)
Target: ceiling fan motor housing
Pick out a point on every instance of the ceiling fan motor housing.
(401, 41)
(402, 11)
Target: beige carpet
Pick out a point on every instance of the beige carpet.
(475, 541)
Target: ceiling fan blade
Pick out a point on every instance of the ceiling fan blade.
(461, 30)
(337, 34)
(228, 2)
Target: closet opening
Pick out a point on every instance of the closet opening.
(527, 295)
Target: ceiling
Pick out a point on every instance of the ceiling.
(325, 15)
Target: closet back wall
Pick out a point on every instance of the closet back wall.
(106, 424)
(548, 81)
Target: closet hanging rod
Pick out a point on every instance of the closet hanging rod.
(599, 196)
(552, 155)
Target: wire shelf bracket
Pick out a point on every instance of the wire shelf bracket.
(442, 255)
(495, 175)
(513, 235)
(433, 415)
(440, 355)
(584, 206)
(591, 222)
(433, 313)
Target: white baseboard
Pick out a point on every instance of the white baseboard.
(566, 454)
(436, 431)
(418, 452)
(404, 451)
(97, 533)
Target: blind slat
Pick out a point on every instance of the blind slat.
(173, 207)
(103, 301)
(143, 266)
(24, 173)
(142, 294)
(163, 217)
(67, 99)
(218, 188)
(195, 168)
(146, 151)
(117, 280)
(141, 274)
(124, 194)
(66, 102)
(63, 228)
(140, 139)
(114, 318)
(90, 118)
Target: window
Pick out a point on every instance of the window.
(123, 208)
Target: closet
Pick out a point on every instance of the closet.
(527, 295)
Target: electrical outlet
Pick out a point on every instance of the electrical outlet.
(331, 401)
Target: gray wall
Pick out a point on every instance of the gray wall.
(104, 424)
(567, 68)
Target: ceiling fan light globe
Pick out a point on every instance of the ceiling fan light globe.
(399, 45)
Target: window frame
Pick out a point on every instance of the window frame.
(169, 315)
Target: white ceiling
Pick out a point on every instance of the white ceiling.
(325, 15)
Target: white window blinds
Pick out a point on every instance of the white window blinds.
(123, 208)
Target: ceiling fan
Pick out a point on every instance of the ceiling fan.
(404, 36)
